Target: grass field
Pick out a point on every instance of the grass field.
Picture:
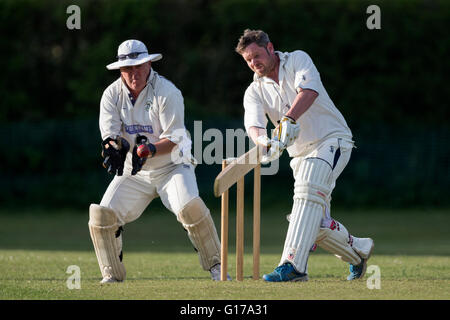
(412, 251)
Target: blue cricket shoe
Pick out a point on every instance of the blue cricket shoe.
(284, 273)
(365, 250)
(358, 271)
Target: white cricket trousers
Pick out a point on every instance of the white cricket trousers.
(129, 195)
(335, 151)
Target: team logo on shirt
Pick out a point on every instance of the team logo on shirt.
(148, 105)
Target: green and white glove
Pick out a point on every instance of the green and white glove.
(274, 148)
(288, 131)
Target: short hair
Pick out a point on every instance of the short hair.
(252, 36)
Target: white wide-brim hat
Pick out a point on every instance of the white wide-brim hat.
(132, 53)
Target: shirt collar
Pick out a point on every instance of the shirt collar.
(151, 76)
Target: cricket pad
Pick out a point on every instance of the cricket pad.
(312, 189)
(196, 219)
(107, 241)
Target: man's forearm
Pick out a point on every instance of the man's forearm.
(303, 100)
(255, 132)
(163, 146)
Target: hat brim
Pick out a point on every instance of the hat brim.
(134, 62)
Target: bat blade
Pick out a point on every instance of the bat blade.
(236, 169)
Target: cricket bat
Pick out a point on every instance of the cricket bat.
(236, 169)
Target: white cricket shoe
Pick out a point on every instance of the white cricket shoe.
(215, 273)
(109, 279)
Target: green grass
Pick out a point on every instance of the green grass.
(411, 249)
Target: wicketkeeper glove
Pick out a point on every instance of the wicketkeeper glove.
(114, 152)
(137, 161)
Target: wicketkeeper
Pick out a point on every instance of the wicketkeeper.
(146, 147)
(287, 89)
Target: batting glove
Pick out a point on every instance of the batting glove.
(274, 149)
(288, 131)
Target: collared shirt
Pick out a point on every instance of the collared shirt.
(157, 113)
(265, 97)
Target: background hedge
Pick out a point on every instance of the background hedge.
(390, 84)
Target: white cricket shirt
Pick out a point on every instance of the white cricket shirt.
(157, 113)
(265, 97)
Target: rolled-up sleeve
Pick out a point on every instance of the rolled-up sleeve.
(171, 116)
(254, 115)
(306, 74)
(109, 119)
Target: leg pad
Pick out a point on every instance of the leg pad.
(107, 240)
(196, 219)
(337, 240)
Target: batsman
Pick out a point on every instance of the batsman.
(288, 90)
(145, 146)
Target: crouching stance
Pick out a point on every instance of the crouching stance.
(106, 234)
(146, 147)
